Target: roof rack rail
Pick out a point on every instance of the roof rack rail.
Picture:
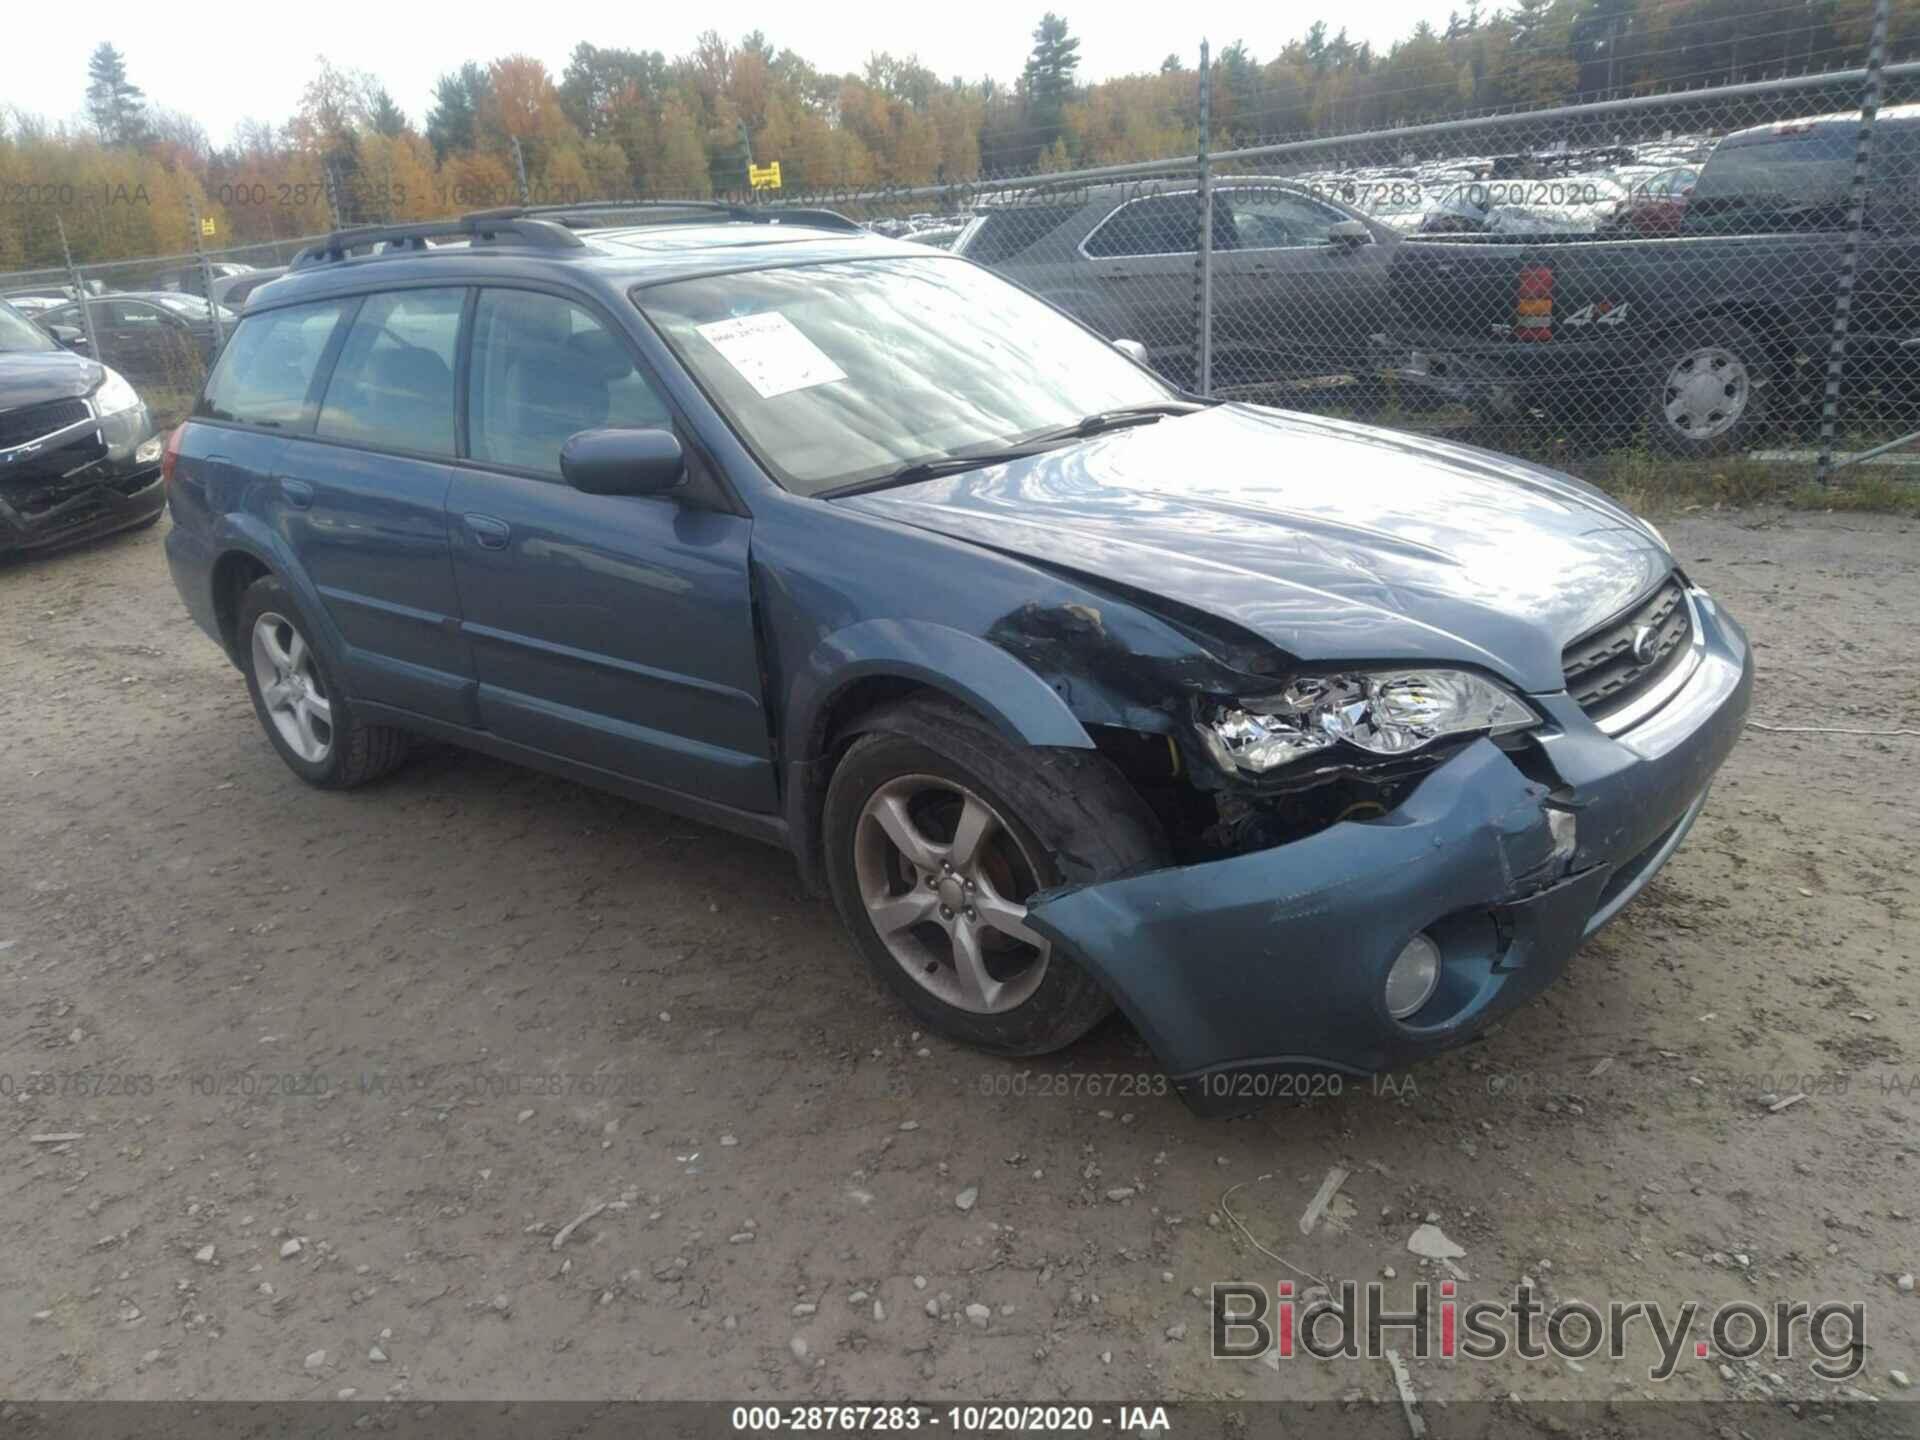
(691, 210)
(481, 227)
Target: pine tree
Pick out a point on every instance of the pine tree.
(384, 116)
(117, 106)
(454, 120)
(1048, 80)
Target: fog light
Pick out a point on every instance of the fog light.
(149, 452)
(1411, 981)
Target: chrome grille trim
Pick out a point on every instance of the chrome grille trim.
(57, 436)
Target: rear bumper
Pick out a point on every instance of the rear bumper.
(1508, 377)
(1273, 963)
(106, 481)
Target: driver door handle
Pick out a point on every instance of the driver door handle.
(489, 533)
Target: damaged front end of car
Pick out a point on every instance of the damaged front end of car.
(1369, 862)
(72, 469)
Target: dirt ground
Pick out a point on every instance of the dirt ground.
(341, 1065)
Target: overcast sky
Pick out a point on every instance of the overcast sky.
(222, 65)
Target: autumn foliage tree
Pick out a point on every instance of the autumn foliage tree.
(619, 123)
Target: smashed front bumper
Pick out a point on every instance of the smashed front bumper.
(1275, 961)
(99, 477)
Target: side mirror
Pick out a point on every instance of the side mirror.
(70, 336)
(1133, 350)
(1348, 232)
(623, 462)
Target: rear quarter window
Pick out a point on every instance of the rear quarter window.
(266, 373)
(1004, 233)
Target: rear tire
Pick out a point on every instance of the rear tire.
(1710, 390)
(986, 824)
(306, 715)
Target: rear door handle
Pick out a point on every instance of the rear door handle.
(298, 492)
(489, 533)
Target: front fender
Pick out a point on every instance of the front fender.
(981, 676)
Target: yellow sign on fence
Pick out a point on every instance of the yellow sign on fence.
(206, 226)
(764, 177)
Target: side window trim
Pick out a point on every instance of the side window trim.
(323, 371)
(1087, 254)
(462, 374)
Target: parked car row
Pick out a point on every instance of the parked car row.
(1708, 319)
(161, 332)
(79, 455)
(1699, 297)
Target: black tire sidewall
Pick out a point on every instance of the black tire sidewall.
(1068, 1001)
(1743, 346)
(269, 593)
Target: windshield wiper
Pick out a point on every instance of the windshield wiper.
(934, 468)
(1081, 429)
(1102, 420)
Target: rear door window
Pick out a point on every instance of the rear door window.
(134, 315)
(544, 369)
(392, 387)
(1157, 225)
(267, 372)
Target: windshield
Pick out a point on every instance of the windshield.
(841, 373)
(20, 335)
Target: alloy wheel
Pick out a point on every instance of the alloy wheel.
(945, 881)
(291, 689)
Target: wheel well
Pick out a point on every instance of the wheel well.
(860, 698)
(232, 574)
(1763, 322)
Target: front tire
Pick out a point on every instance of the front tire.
(937, 833)
(307, 717)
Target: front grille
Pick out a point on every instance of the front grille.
(32, 484)
(1604, 674)
(36, 422)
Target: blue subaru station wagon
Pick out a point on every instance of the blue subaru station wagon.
(1310, 746)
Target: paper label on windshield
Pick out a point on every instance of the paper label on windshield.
(771, 354)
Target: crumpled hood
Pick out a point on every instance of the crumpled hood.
(1332, 541)
(34, 379)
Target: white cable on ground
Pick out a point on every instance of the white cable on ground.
(1823, 730)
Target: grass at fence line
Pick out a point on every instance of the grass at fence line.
(1653, 484)
(170, 394)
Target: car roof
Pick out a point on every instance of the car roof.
(611, 259)
(1889, 115)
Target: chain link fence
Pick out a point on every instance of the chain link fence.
(1714, 273)
(1722, 272)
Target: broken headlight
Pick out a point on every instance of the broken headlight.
(1383, 712)
(113, 395)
